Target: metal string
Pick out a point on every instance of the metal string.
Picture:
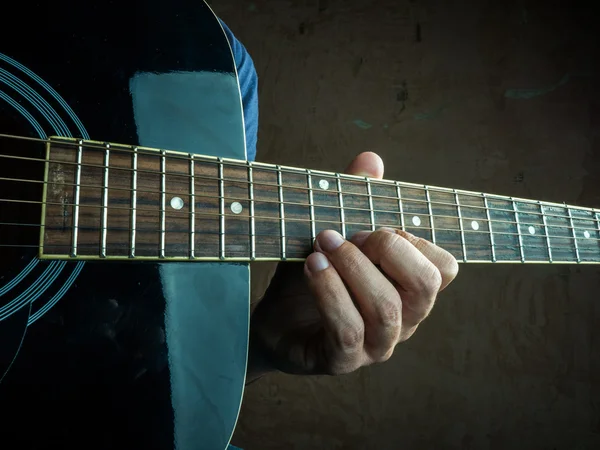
(288, 203)
(198, 158)
(594, 221)
(276, 219)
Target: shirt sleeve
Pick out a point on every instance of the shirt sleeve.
(248, 80)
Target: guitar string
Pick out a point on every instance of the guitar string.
(316, 205)
(180, 214)
(390, 184)
(276, 244)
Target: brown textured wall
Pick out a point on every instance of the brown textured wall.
(491, 96)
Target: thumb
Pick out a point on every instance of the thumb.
(367, 164)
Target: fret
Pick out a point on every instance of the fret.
(447, 223)
(400, 206)
(385, 204)
(252, 221)
(520, 236)
(546, 232)
(104, 223)
(531, 231)
(341, 203)
(192, 207)
(428, 197)
(163, 204)
(573, 233)
(76, 199)
(326, 202)
(560, 234)
(502, 221)
(281, 212)
(134, 177)
(311, 205)
(221, 211)
(238, 219)
(293, 206)
(267, 210)
(358, 205)
(585, 234)
(476, 227)
(462, 230)
(489, 221)
(416, 211)
(370, 194)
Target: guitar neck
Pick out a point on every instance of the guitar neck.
(112, 201)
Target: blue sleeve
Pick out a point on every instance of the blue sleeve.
(249, 89)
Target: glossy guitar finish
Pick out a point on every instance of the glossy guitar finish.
(118, 355)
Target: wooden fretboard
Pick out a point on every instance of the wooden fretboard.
(111, 201)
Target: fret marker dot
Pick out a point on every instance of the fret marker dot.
(236, 207)
(176, 203)
(531, 230)
(475, 225)
(586, 234)
(324, 184)
(416, 221)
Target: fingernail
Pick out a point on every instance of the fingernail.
(317, 262)
(388, 229)
(360, 237)
(329, 240)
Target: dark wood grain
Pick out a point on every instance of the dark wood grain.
(255, 211)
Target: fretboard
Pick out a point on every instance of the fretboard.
(110, 201)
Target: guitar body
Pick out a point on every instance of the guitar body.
(117, 355)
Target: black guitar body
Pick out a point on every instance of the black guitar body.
(115, 355)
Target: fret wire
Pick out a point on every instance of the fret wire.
(597, 221)
(546, 232)
(252, 220)
(370, 203)
(381, 182)
(104, 223)
(462, 230)
(163, 204)
(221, 211)
(134, 164)
(281, 212)
(312, 207)
(574, 234)
(76, 200)
(516, 211)
(400, 206)
(341, 202)
(192, 208)
(430, 214)
(487, 214)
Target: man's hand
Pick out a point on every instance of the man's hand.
(352, 302)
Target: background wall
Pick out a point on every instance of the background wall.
(490, 96)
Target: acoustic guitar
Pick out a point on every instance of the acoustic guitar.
(124, 262)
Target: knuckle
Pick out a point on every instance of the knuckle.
(351, 337)
(389, 314)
